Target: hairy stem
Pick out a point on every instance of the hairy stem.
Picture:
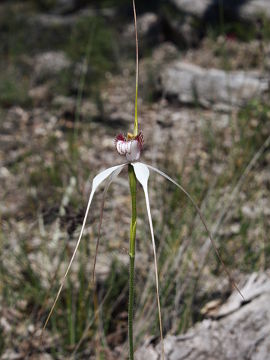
(133, 190)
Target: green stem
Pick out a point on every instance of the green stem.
(133, 190)
(135, 132)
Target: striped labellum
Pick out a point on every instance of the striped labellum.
(130, 146)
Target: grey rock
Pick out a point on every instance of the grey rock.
(48, 64)
(149, 31)
(64, 102)
(64, 6)
(181, 31)
(254, 8)
(54, 21)
(40, 94)
(239, 331)
(247, 10)
(192, 7)
(50, 30)
(186, 23)
(214, 88)
(12, 355)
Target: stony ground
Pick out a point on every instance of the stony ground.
(205, 115)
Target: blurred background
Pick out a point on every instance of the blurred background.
(67, 86)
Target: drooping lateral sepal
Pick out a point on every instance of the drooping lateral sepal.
(97, 181)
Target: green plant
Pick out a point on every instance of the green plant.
(103, 48)
(13, 88)
(130, 146)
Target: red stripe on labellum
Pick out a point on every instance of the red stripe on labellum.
(139, 138)
(119, 137)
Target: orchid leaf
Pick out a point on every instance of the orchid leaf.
(142, 175)
(98, 179)
(203, 222)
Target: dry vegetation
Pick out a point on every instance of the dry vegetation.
(57, 131)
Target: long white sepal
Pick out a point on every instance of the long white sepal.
(107, 185)
(142, 175)
(203, 222)
(98, 179)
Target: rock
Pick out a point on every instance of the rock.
(54, 21)
(149, 31)
(193, 7)
(53, 30)
(208, 9)
(12, 355)
(240, 329)
(187, 20)
(71, 7)
(49, 64)
(241, 55)
(191, 84)
(66, 104)
(49, 29)
(65, 6)
(68, 108)
(40, 94)
(164, 53)
(181, 31)
(89, 110)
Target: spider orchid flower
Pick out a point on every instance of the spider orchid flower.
(131, 147)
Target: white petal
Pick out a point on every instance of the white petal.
(203, 222)
(98, 179)
(142, 175)
(108, 183)
(118, 147)
(134, 151)
(128, 147)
